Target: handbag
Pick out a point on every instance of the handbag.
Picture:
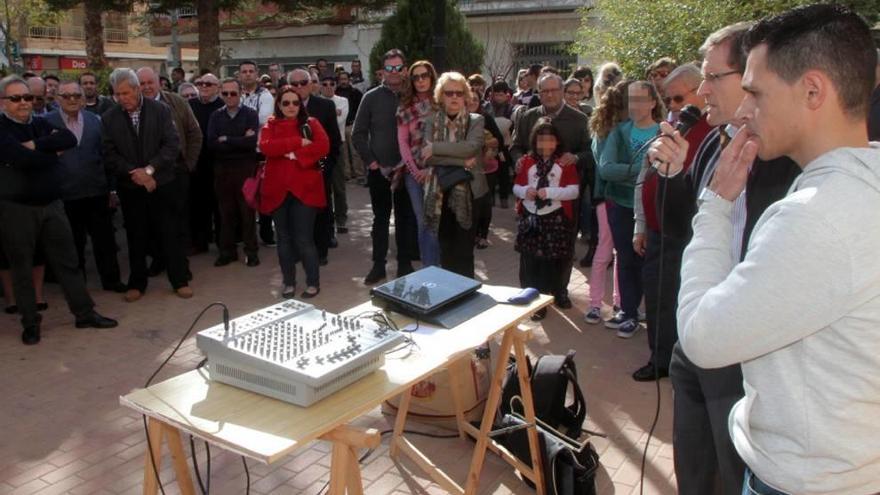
(569, 466)
(252, 187)
(448, 176)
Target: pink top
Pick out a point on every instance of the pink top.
(413, 127)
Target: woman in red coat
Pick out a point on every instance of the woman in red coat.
(293, 187)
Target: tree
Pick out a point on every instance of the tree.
(411, 29)
(93, 24)
(634, 33)
(16, 16)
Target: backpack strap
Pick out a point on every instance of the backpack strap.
(546, 392)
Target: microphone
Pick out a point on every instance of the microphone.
(689, 117)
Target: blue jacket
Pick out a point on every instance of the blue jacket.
(83, 173)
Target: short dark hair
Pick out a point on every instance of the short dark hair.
(322, 59)
(330, 77)
(52, 76)
(394, 52)
(247, 62)
(535, 70)
(732, 35)
(302, 117)
(178, 69)
(341, 73)
(581, 72)
(229, 80)
(84, 74)
(27, 75)
(827, 37)
(543, 127)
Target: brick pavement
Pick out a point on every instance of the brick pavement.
(64, 432)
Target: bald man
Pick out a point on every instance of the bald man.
(203, 212)
(37, 87)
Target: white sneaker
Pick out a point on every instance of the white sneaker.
(628, 328)
(593, 316)
(615, 322)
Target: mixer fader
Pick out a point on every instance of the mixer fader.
(295, 352)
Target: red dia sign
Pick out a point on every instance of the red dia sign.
(34, 62)
(72, 63)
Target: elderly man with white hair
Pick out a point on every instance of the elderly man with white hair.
(140, 152)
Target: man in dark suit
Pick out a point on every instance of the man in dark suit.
(325, 111)
(84, 188)
(573, 128)
(31, 211)
(140, 152)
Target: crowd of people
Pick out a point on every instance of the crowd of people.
(745, 237)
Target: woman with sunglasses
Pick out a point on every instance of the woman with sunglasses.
(293, 187)
(453, 145)
(416, 106)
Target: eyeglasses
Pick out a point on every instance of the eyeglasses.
(420, 76)
(287, 103)
(549, 90)
(18, 98)
(574, 93)
(227, 94)
(328, 84)
(303, 82)
(70, 96)
(205, 83)
(394, 68)
(456, 94)
(678, 99)
(714, 76)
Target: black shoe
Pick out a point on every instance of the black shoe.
(540, 314)
(323, 261)
(647, 373)
(587, 260)
(118, 287)
(11, 309)
(31, 335)
(252, 261)
(333, 243)
(308, 295)
(341, 229)
(504, 204)
(376, 274)
(42, 306)
(563, 302)
(95, 320)
(225, 260)
(404, 269)
(156, 269)
(267, 236)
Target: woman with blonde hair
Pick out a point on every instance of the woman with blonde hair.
(453, 143)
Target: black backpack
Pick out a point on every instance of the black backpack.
(551, 378)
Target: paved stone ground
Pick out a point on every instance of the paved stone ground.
(64, 432)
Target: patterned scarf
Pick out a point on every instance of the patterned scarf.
(543, 168)
(418, 111)
(460, 202)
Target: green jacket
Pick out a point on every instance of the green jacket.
(616, 167)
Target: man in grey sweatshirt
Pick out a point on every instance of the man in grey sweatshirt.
(801, 312)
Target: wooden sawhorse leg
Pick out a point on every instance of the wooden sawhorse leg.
(345, 473)
(515, 338)
(158, 431)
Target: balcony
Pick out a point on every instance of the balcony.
(111, 35)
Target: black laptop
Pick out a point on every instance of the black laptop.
(433, 295)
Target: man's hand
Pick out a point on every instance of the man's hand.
(113, 200)
(542, 193)
(427, 151)
(668, 153)
(639, 242)
(29, 145)
(139, 176)
(374, 165)
(249, 133)
(732, 170)
(568, 159)
(150, 184)
(290, 156)
(306, 141)
(470, 163)
(531, 193)
(221, 139)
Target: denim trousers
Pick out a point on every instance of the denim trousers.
(294, 226)
(629, 264)
(429, 245)
(752, 485)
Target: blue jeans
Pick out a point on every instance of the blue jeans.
(295, 226)
(629, 264)
(429, 245)
(754, 486)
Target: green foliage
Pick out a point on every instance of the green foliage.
(411, 29)
(634, 33)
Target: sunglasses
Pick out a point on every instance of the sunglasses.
(394, 68)
(18, 98)
(70, 96)
(229, 93)
(303, 82)
(678, 99)
(420, 76)
(287, 103)
(456, 94)
(203, 83)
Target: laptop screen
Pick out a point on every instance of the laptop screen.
(428, 288)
